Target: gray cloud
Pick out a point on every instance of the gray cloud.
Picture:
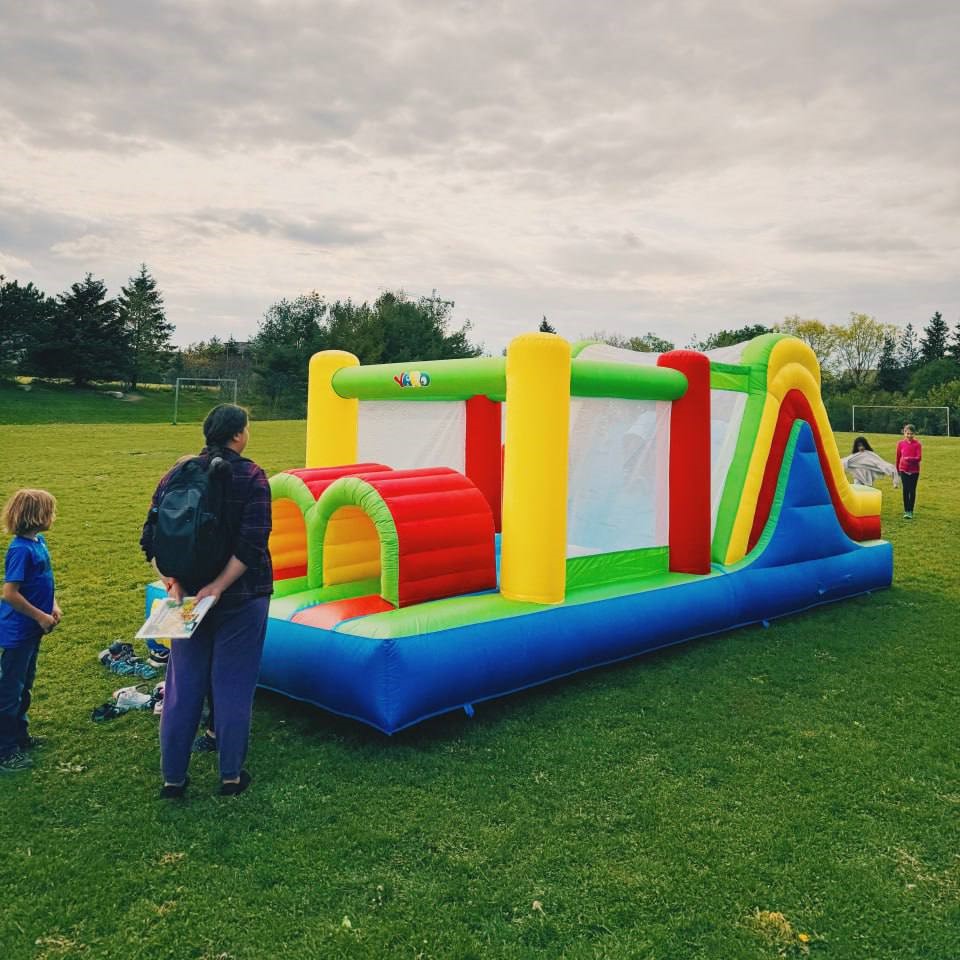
(315, 231)
(562, 86)
(831, 239)
(33, 230)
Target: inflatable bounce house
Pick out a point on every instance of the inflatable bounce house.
(463, 529)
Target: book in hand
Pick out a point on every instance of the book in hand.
(170, 620)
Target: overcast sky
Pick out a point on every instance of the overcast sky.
(621, 165)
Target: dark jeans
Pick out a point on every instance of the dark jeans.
(908, 481)
(18, 667)
(222, 656)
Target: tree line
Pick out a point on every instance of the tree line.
(82, 335)
(874, 364)
(862, 361)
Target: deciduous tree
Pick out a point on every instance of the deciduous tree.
(647, 343)
(727, 338)
(821, 339)
(859, 346)
(393, 328)
(928, 376)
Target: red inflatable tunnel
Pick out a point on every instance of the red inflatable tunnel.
(435, 528)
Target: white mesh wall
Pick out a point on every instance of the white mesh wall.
(412, 434)
(731, 354)
(618, 496)
(603, 351)
(726, 415)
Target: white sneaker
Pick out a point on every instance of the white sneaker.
(131, 698)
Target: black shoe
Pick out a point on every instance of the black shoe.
(234, 789)
(174, 791)
(31, 743)
(204, 743)
(20, 761)
(158, 658)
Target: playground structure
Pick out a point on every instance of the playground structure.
(463, 529)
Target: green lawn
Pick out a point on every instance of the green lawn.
(53, 402)
(672, 807)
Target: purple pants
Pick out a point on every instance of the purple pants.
(222, 656)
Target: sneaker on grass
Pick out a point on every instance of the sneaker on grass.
(31, 743)
(15, 761)
(132, 698)
(158, 658)
(127, 667)
(205, 743)
(143, 670)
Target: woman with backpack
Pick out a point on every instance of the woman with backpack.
(207, 533)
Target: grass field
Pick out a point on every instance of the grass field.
(763, 793)
(46, 402)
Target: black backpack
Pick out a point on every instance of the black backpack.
(192, 539)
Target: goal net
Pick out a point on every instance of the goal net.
(210, 389)
(890, 418)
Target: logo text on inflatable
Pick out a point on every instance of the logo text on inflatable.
(412, 378)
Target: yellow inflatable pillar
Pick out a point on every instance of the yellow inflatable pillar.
(331, 420)
(534, 541)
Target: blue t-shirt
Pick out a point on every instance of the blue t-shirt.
(27, 563)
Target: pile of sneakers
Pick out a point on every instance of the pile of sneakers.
(119, 658)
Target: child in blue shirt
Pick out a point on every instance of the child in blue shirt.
(28, 610)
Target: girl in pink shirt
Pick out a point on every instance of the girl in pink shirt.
(909, 453)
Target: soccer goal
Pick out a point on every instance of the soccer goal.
(890, 418)
(222, 385)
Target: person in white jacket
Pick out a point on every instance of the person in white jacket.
(866, 466)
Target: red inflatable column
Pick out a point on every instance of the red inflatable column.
(484, 452)
(690, 464)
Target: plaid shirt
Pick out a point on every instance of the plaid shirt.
(249, 513)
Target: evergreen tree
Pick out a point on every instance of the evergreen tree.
(933, 346)
(545, 326)
(86, 338)
(908, 352)
(889, 375)
(25, 315)
(953, 348)
(140, 309)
